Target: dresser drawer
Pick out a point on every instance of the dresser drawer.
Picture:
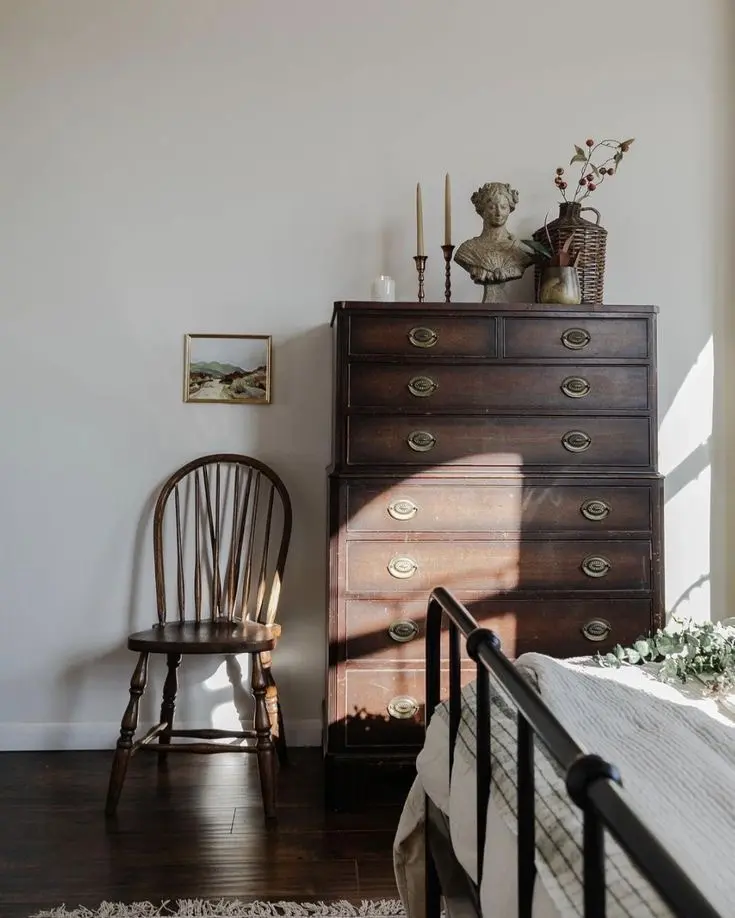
(560, 629)
(496, 567)
(576, 337)
(505, 507)
(385, 707)
(427, 387)
(498, 441)
(411, 336)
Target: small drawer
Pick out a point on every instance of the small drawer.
(560, 629)
(424, 387)
(577, 338)
(498, 567)
(415, 337)
(498, 441)
(505, 507)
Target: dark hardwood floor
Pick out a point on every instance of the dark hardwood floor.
(197, 832)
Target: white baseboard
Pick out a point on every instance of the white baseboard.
(17, 737)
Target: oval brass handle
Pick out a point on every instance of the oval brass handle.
(576, 441)
(421, 336)
(597, 629)
(403, 631)
(422, 386)
(402, 509)
(595, 509)
(596, 566)
(575, 387)
(421, 441)
(575, 338)
(403, 707)
(402, 568)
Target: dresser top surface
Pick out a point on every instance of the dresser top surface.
(489, 309)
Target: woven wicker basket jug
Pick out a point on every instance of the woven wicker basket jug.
(590, 241)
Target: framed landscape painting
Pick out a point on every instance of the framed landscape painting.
(230, 369)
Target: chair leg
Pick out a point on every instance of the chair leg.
(127, 732)
(264, 744)
(275, 714)
(168, 705)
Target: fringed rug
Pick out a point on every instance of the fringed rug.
(233, 908)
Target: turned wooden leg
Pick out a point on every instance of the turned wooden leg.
(127, 732)
(168, 705)
(274, 709)
(264, 744)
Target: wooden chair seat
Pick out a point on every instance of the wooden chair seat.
(206, 637)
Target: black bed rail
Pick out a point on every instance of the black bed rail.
(592, 783)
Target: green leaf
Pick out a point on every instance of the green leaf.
(643, 648)
(633, 656)
(578, 158)
(594, 168)
(618, 156)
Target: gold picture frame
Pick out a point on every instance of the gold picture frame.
(227, 369)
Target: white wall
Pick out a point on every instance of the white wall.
(172, 166)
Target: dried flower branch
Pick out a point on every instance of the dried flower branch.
(592, 174)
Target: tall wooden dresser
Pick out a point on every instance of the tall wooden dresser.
(505, 451)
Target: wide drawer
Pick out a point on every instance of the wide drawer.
(578, 338)
(394, 631)
(498, 566)
(385, 707)
(504, 507)
(426, 387)
(404, 336)
(498, 441)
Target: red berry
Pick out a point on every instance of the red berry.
(603, 171)
(591, 186)
(583, 181)
(560, 171)
(590, 142)
(563, 185)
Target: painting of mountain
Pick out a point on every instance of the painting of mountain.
(227, 368)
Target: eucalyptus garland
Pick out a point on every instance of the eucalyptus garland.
(686, 650)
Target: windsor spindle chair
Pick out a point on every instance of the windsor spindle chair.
(229, 518)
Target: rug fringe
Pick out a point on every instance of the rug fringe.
(234, 908)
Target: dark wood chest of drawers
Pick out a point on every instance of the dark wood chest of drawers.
(506, 452)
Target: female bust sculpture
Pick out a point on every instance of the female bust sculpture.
(495, 256)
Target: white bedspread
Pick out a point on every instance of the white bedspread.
(676, 753)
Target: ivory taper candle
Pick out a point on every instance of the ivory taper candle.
(447, 210)
(419, 222)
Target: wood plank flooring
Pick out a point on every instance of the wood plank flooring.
(197, 832)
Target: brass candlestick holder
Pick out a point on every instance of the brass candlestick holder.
(421, 268)
(448, 249)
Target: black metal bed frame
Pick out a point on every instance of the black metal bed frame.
(592, 783)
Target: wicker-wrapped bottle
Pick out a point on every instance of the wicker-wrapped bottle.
(589, 241)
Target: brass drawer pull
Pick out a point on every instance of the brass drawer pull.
(576, 441)
(421, 441)
(595, 509)
(402, 509)
(403, 630)
(576, 338)
(575, 387)
(402, 568)
(421, 336)
(596, 566)
(597, 629)
(422, 386)
(403, 707)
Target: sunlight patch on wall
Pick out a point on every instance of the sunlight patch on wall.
(687, 551)
(688, 422)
